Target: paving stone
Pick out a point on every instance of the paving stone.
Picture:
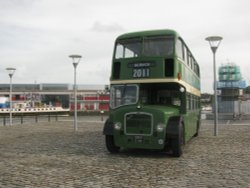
(53, 155)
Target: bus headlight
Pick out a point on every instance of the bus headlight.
(160, 127)
(118, 126)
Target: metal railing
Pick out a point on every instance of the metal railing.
(24, 119)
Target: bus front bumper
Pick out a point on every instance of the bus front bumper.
(154, 141)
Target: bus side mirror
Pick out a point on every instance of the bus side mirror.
(107, 88)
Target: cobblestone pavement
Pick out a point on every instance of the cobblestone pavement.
(52, 155)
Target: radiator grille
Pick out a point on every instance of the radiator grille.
(138, 124)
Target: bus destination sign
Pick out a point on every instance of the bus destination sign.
(141, 69)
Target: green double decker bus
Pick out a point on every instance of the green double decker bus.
(154, 93)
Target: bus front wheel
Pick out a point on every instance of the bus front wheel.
(112, 148)
(177, 142)
(197, 129)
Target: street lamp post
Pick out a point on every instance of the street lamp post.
(76, 59)
(214, 42)
(11, 72)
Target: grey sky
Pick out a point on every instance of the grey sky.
(37, 36)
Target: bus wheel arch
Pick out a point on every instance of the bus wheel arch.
(197, 128)
(108, 127)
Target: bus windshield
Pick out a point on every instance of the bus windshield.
(150, 46)
(158, 95)
(123, 95)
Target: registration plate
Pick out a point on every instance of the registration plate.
(138, 139)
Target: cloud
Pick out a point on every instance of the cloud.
(107, 28)
(36, 36)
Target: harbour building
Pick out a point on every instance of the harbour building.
(89, 97)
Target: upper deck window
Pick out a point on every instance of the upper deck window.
(128, 48)
(149, 46)
(158, 46)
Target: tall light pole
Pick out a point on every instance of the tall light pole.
(11, 72)
(214, 42)
(76, 59)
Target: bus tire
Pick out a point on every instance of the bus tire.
(178, 142)
(110, 144)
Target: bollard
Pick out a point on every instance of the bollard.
(22, 119)
(56, 117)
(36, 118)
(102, 112)
(4, 120)
(49, 117)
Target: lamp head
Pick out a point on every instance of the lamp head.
(214, 42)
(75, 58)
(11, 71)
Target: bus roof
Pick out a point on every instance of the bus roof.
(147, 33)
